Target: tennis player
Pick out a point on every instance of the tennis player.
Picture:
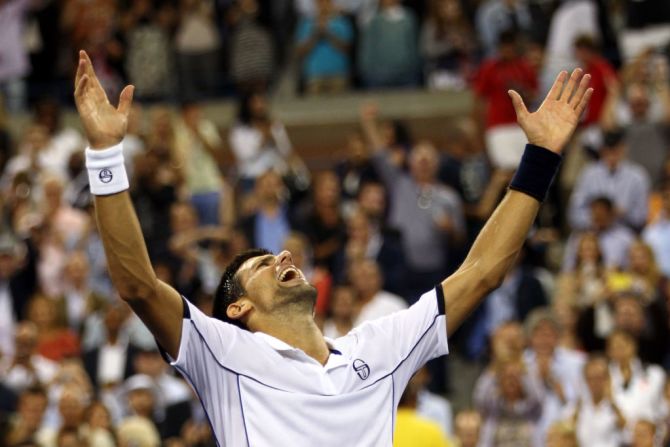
(263, 371)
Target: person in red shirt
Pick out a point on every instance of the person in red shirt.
(602, 74)
(508, 70)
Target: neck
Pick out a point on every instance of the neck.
(300, 331)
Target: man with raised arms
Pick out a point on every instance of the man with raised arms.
(265, 374)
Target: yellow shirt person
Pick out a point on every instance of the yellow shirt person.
(412, 430)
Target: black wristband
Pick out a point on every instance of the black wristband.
(536, 171)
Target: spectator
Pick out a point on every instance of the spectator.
(252, 54)
(322, 221)
(561, 434)
(644, 434)
(200, 149)
(598, 420)
(558, 368)
(323, 45)
(467, 426)
(584, 285)
(27, 421)
(510, 401)
(614, 239)
(55, 341)
(413, 429)
(137, 431)
(147, 29)
(373, 301)
(446, 46)
(636, 388)
(496, 17)
(625, 183)
(496, 76)
(14, 62)
(259, 142)
(428, 214)
(269, 226)
(384, 246)
(343, 304)
(355, 169)
(197, 47)
(388, 54)
(657, 233)
(27, 368)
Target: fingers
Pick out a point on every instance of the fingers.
(555, 91)
(81, 86)
(581, 90)
(88, 65)
(126, 99)
(584, 102)
(81, 69)
(572, 83)
(519, 106)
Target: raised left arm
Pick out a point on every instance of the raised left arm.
(499, 242)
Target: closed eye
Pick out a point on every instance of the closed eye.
(265, 262)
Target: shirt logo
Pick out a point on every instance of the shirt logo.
(361, 368)
(105, 176)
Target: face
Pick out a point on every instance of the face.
(42, 312)
(589, 249)
(620, 348)
(327, 189)
(269, 186)
(365, 277)
(258, 107)
(640, 257)
(183, 217)
(372, 200)
(358, 227)
(597, 376)
(509, 380)
(343, 303)
(583, 55)
(628, 315)
(423, 162)
(141, 401)
(76, 270)
(467, 427)
(25, 340)
(544, 338)
(612, 156)
(70, 407)
(356, 150)
(643, 434)
(272, 283)
(638, 99)
(98, 417)
(31, 409)
(601, 216)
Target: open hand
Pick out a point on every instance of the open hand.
(552, 125)
(104, 124)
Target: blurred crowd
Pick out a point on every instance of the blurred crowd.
(571, 350)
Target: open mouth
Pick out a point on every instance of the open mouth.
(289, 274)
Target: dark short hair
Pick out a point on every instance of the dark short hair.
(230, 287)
(586, 42)
(604, 201)
(613, 138)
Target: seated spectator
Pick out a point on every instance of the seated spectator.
(321, 219)
(645, 277)
(510, 401)
(251, 49)
(597, 417)
(495, 17)
(558, 368)
(27, 421)
(567, 314)
(139, 398)
(55, 340)
(384, 246)
(446, 46)
(269, 225)
(372, 301)
(342, 312)
(637, 388)
(614, 238)
(411, 428)
(72, 402)
(388, 54)
(200, 151)
(623, 182)
(27, 368)
(467, 428)
(585, 284)
(497, 120)
(323, 44)
(259, 142)
(657, 233)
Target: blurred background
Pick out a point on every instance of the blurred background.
(372, 139)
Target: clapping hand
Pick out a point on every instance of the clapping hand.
(552, 125)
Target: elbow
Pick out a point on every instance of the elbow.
(133, 289)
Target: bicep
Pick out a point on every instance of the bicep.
(163, 314)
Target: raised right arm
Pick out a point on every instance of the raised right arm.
(158, 305)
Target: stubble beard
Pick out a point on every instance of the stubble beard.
(301, 297)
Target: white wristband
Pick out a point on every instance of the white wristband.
(106, 171)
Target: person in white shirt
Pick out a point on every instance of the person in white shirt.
(261, 367)
(598, 419)
(27, 368)
(373, 302)
(636, 388)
